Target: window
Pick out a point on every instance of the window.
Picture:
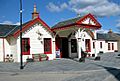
(93, 44)
(108, 46)
(100, 44)
(87, 44)
(25, 46)
(112, 46)
(73, 45)
(47, 46)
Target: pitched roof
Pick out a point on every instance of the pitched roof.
(107, 37)
(66, 22)
(18, 27)
(77, 22)
(6, 29)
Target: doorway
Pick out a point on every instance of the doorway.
(74, 48)
(64, 47)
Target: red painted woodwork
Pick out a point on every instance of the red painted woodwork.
(37, 20)
(57, 43)
(80, 24)
(87, 44)
(47, 46)
(89, 16)
(25, 46)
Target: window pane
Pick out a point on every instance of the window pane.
(73, 45)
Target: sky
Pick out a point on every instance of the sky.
(107, 12)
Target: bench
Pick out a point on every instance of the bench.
(39, 57)
(9, 58)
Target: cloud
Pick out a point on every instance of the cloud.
(102, 31)
(118, 23)
(7, 22)
(17, 23)
(96, 7)
(54, 8)
(10, 23)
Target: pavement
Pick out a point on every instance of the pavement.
(107, 69)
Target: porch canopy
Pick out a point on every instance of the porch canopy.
(65, 28)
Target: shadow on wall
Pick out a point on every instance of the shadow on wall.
(114, 71)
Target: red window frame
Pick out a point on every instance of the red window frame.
(100, 44)
(47, 46)
(25, 46)
(87, 44)
(112, 46)
(108, 46)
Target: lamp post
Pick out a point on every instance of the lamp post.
(21, 61)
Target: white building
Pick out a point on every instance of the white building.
(37, 38)
(66, 39)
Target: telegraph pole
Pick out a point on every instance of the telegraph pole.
(21, 58)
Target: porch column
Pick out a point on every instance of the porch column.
(53, 49)
(96, 54)
(79, 43)
(79, 47)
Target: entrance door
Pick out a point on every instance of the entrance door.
(74, 48)
(64, 48)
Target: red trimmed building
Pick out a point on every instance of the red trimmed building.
(67, 39)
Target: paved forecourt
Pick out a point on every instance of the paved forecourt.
(106, 69)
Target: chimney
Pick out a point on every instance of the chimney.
(110, 31)
(78, 15)
(35, 14)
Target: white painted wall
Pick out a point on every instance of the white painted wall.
(98, 49)
(9, 47)
(1, 49)
(105, 46)
(36, 45)
(115, 46)
(83, 35)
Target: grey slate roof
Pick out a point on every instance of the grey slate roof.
(107, 36)
(66, 22)
(6, 29)
(18, 27)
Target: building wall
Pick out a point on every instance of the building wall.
(1, 49)
(111, 50)
(83, 36)
(36, 41)
(104, 48)
(8, 47)
(98, 47)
